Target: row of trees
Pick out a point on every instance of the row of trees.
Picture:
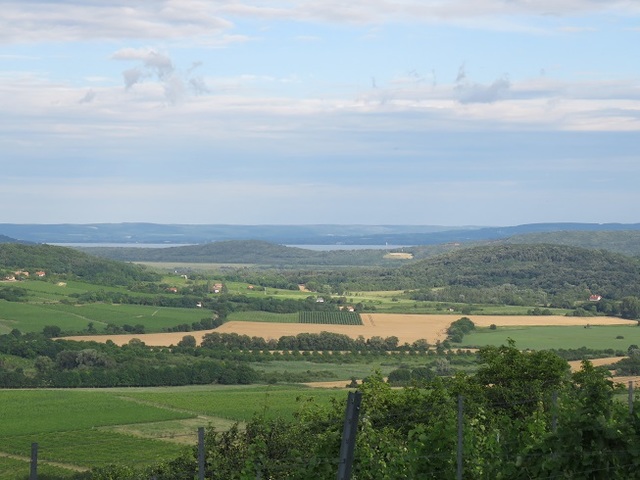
(324, 341)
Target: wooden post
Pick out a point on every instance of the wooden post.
(349, 431)
(33, 474)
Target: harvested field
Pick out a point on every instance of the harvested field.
(596, 362)
(408, 328)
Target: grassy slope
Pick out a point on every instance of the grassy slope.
(120, 425)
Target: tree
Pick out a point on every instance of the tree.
(630, 308)
(187, 341)
(516, 380)
(51, 331)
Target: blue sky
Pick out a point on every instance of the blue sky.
(464, 112)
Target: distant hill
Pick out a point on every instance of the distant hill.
(626, 241)
(286, 234)
(69, 262)
(245, 252)
(547, 267)
(5, 239)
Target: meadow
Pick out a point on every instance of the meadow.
(33, 317)
(80, 429)
(597, 337)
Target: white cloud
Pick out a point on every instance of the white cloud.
(210, 22)
(25, 21)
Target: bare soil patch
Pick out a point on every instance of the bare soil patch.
(399, 255)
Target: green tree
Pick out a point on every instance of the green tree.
(630, 308)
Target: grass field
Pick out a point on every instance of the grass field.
(29, 317)
(264, 317)
(80, 429)
(598, 337)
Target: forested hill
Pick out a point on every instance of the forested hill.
(69, 262)
(626, 242)
(244, 251)
(5, 239)
(547, 267)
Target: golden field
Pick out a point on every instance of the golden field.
(408, 328)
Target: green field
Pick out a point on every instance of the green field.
(263, 317)
(567, 337)
(29, 317)
(137, 426)
(18, 469)
(236, 403)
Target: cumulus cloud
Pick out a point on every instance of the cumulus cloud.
(88, 97)
(159, 67)
(470, 92)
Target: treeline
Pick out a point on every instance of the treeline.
(70, 263)
(65, 364)
(324, 341)
(222, 304)
(523, 415)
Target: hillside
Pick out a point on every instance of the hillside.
(244, 252)
(626, 242)
(538, 269)
(69, 262)
(547, 267)
(5, 239)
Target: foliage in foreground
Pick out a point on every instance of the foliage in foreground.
(509, 432)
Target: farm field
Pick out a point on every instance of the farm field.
(597, 337)
(408, 328)
(135, 426)
(30, 317)
(263, 317)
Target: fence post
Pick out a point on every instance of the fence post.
(33, 474)
(460, 436)
(631, 397)
(349, 430)
(200, 453)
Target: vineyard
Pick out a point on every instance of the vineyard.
(330, 318)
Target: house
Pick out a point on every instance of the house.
(172, 290)
(40, 274)
(216, 288)
(319, 300)
(595, 298)
(10, 278)
(21, 273)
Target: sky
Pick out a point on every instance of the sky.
(412, 112)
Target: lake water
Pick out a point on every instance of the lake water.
(321, 248)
